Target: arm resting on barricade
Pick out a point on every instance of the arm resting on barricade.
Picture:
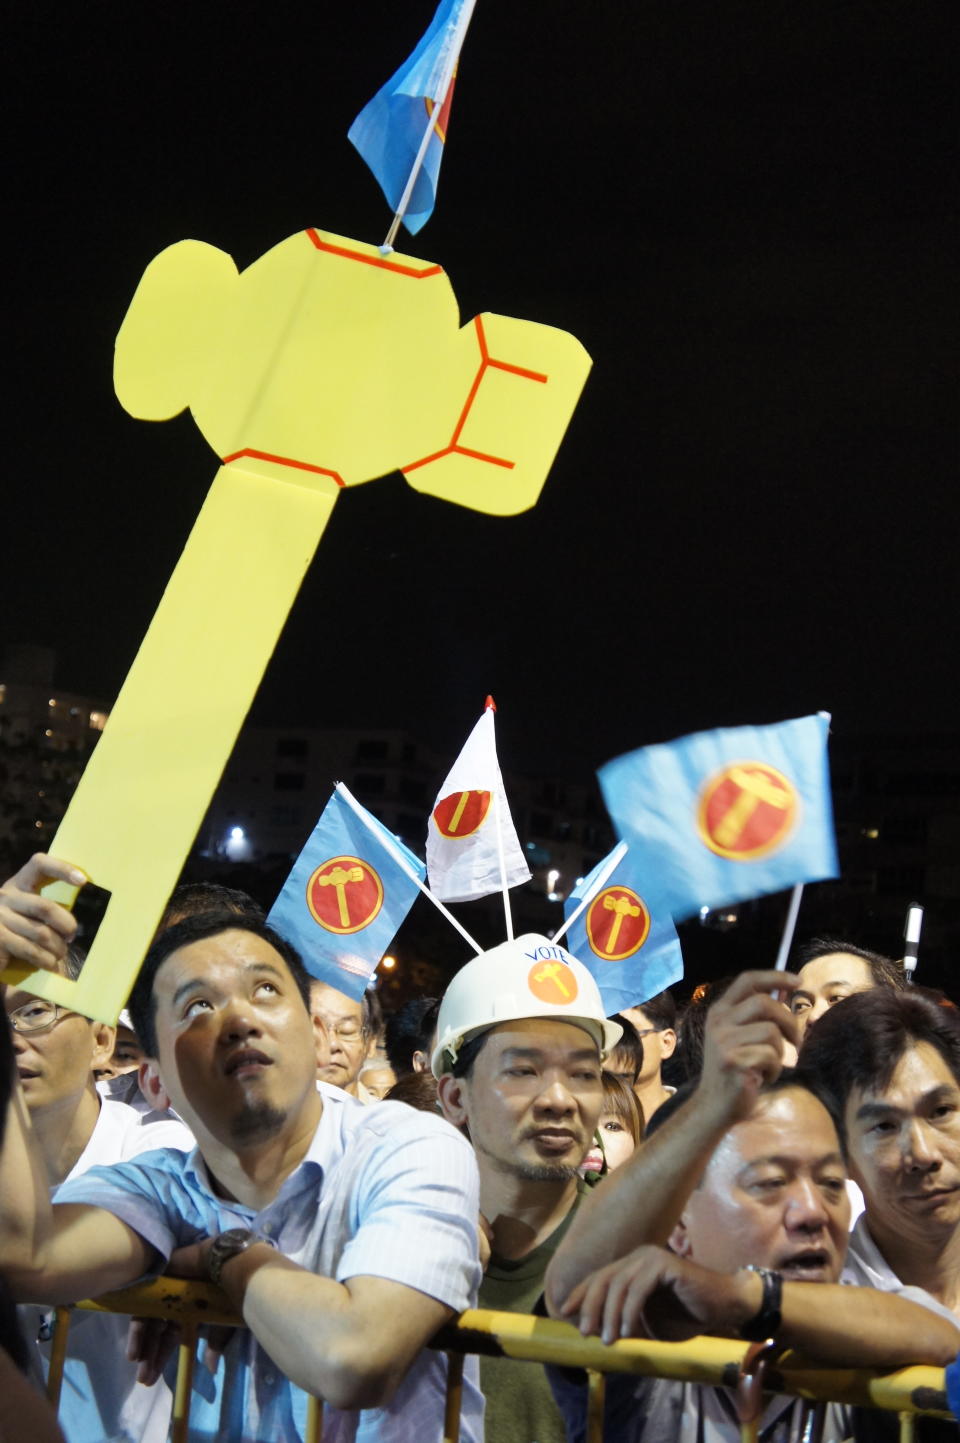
(653, 1293)
(337, 1340)
(712, 1361)
(642, 1200)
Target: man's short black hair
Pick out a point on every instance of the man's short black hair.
(858, 1042)
(191, 898)
(789, 1077)
(661, 1010)
(198, 928)
(468, 1054)
(884, 970)
(410, 1030)
(630, 1046)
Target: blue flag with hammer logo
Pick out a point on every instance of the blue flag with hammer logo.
(391, 130)
(349, 891)
(720, 816)
(625, 934)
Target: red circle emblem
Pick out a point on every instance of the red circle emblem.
(618, 923)
(344, 894)
(747, 810)
(462, 813)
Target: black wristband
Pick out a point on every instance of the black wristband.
(766, 1323)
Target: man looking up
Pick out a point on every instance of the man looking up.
(745, 1180)
(656, 1026)
(321, 1220)
(521, 1033)
(833, 970)
(889, 1063)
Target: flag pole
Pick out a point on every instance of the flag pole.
(613, 861)
(911, 938)
(401, 209)
(491, 706)
(405, 867)
(789, 927)
(450, 65)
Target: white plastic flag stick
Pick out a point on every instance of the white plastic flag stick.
(507, 914)
(789, 927)
(439, 97)
(613, 861)
(911, 938)
(405, 866)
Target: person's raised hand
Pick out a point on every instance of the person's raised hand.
(35, 930)
(745, 1037)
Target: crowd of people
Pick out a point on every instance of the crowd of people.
(780, 1162)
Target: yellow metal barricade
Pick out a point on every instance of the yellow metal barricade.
(719, 1362)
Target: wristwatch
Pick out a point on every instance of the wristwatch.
(226, 1246)
(766, 1323)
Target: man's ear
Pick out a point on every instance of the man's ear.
(151, 1084)
(452, 1094)
(668, 1043)
(679, 1240)
(104, 1043)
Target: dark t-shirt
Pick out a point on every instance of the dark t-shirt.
(520, 1406)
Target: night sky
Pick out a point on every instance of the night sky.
(745, 212)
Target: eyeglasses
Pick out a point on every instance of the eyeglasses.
(348, 1031)
(38, 1016)
(646, 1031)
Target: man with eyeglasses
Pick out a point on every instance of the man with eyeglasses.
(656, 1025)
(345, 1030)
(57, 1054)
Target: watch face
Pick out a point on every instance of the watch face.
(226, 1246)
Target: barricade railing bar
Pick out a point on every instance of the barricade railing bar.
(721, 1362)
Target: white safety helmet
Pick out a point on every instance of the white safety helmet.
(528, 977)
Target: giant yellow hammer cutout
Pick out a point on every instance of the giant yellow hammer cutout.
(322, 366)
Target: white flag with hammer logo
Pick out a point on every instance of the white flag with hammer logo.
(472, 845)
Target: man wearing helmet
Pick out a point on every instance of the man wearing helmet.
(521, 1034)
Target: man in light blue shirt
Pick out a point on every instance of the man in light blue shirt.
(346, 1236)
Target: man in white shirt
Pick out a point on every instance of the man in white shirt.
(745, 1181)
(374, 1211)
(889, 1063)
(57, 1054)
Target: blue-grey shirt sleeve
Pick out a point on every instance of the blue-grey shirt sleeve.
(156, 1194)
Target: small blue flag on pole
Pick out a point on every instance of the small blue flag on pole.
(401, 132)
(349, 891)
(720, 816)
(624, 935)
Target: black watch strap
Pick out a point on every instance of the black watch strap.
(226, 1246)
(766, 1323)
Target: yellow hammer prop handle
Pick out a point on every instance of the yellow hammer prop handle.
(143, 795)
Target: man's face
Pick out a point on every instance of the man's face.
(341, 1042)
(127, 1055)
(55, 1064)
(658, 1045)
(774, 1194)
(235, 1049)
(904, 1145)
(532, 1100)
(827, 980)
(378, 1080)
